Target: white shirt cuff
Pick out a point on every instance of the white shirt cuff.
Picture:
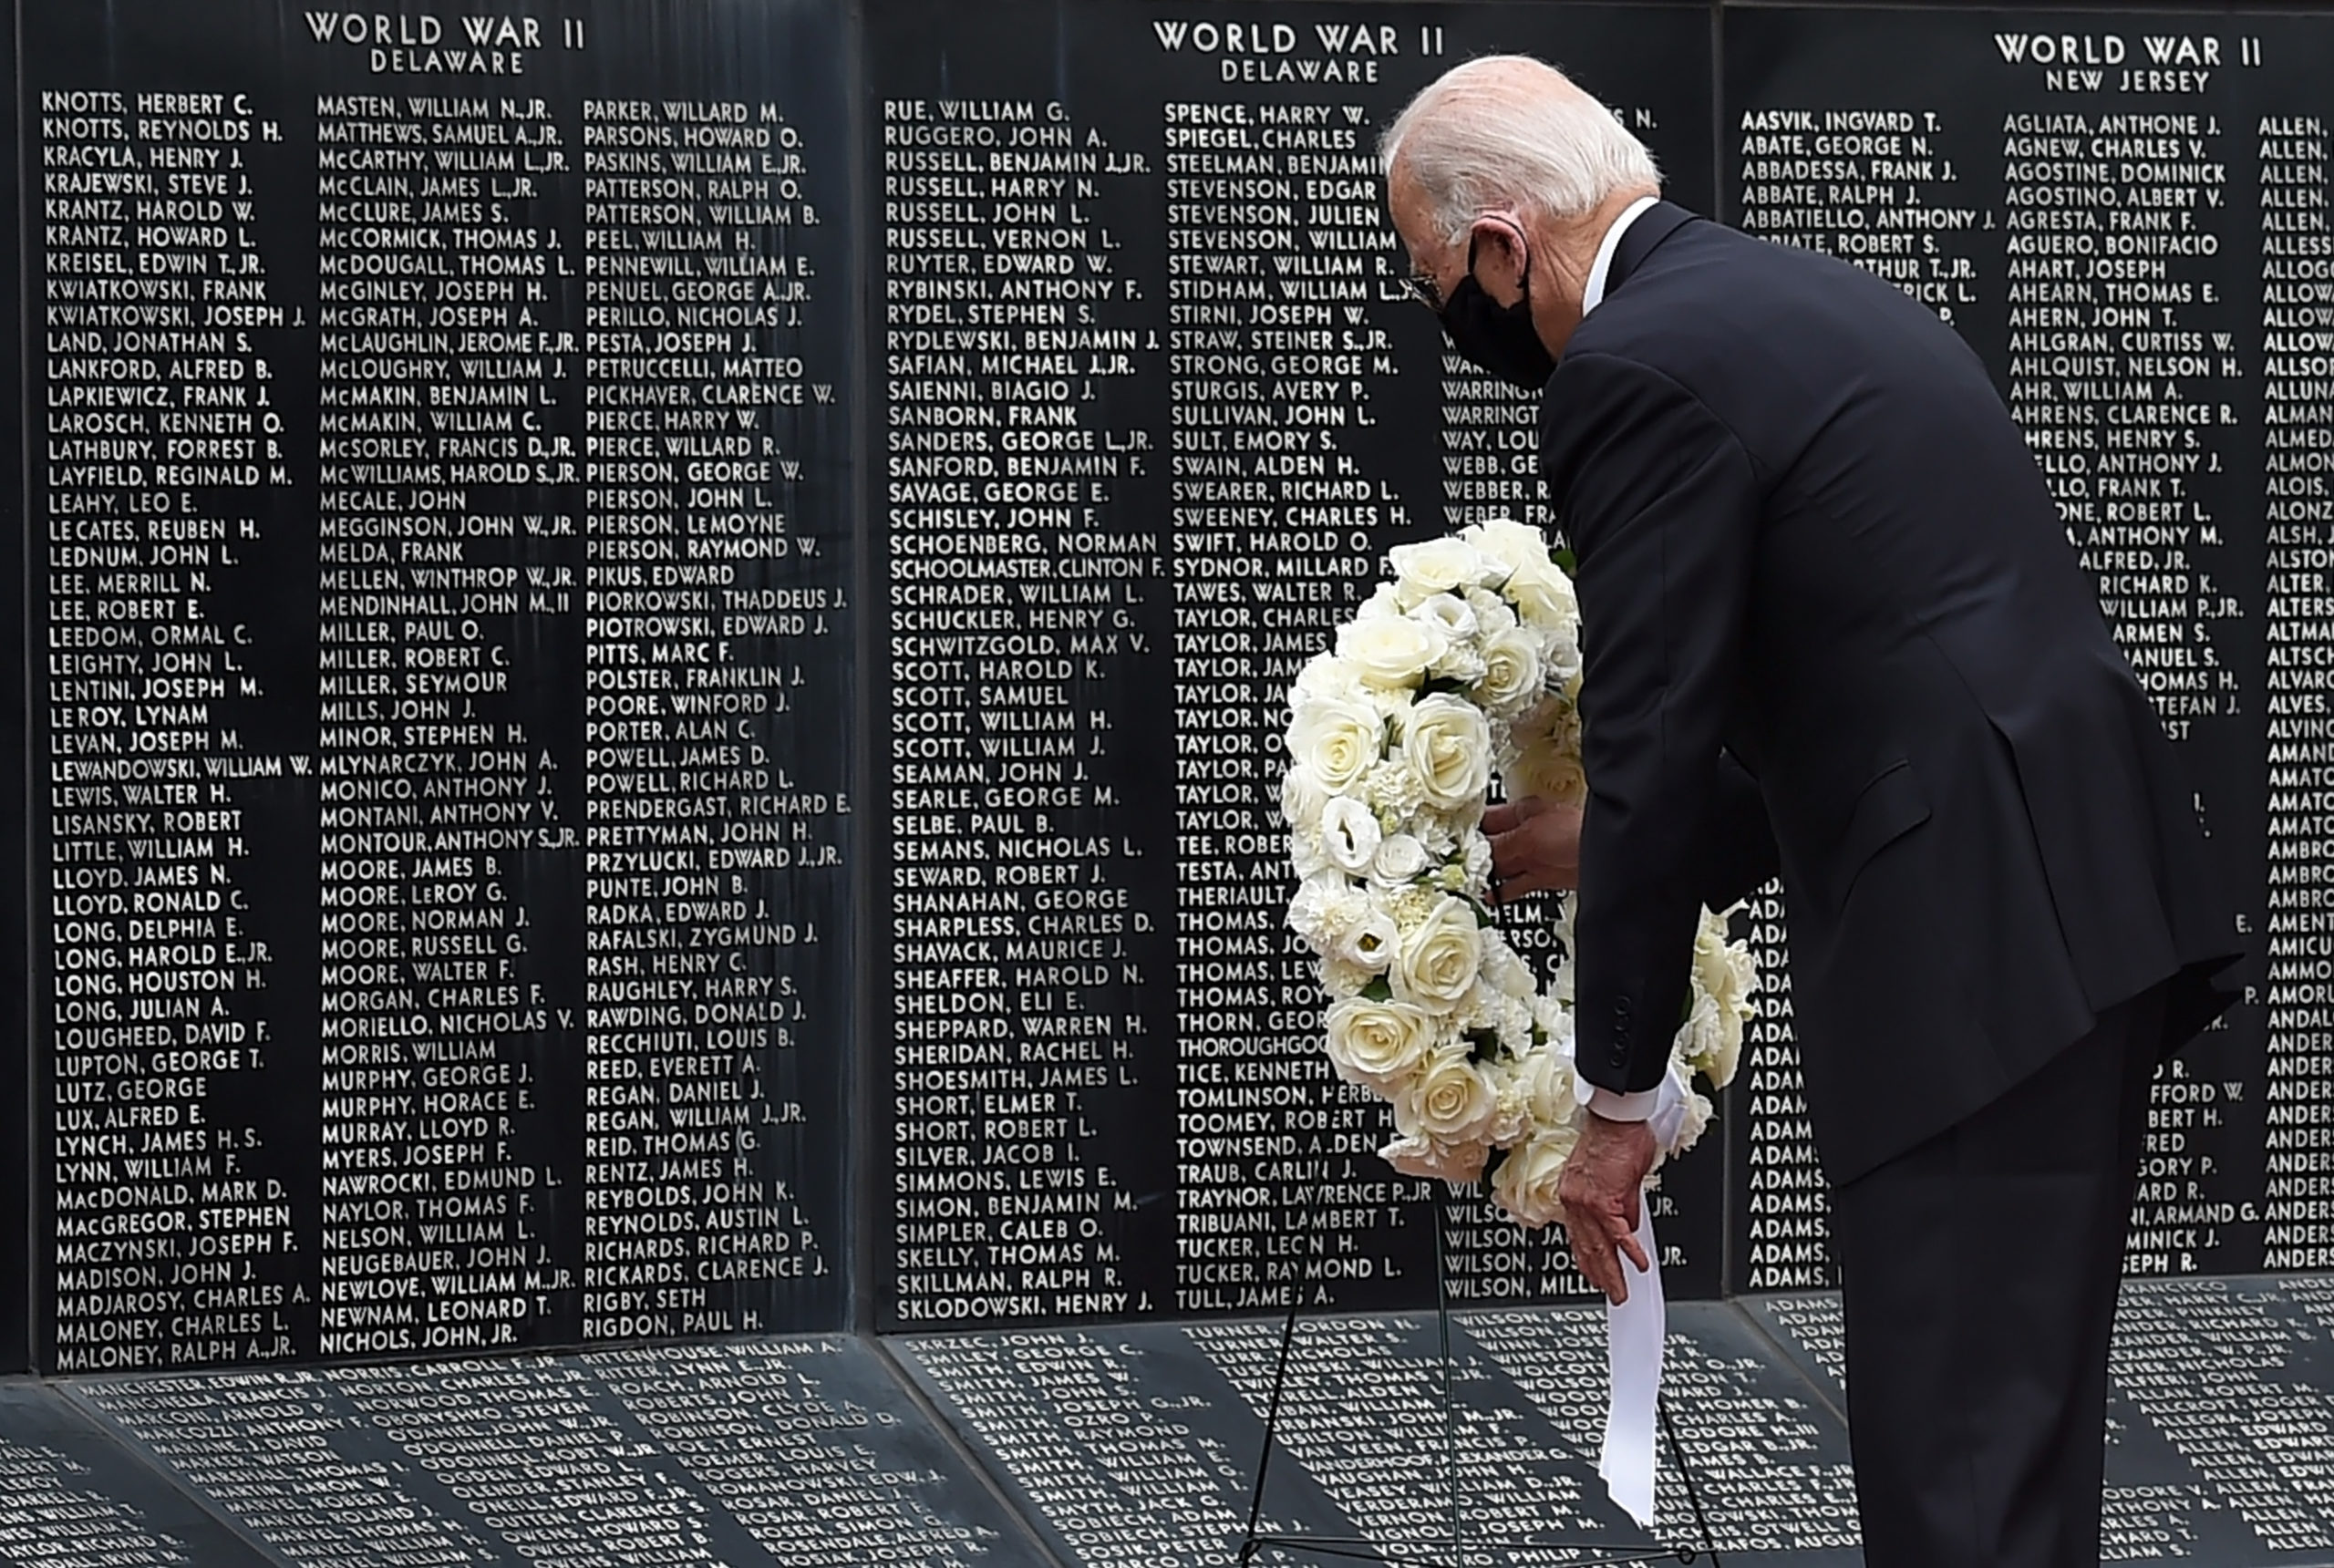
(1614, 1106)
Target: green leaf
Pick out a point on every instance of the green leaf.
(1482, 1045)
(1566, 561)
(1379, 989)
(1443, 685)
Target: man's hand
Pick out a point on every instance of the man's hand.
(1602, 1184)
(1536, 845)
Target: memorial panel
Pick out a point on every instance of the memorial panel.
(2126, 217)
(70, 1493)
(1154, 403)
(1139, 1445)
(807, 1453)
(2216, 1425)
(443, 596)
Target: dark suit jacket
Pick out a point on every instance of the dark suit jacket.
(1834, 627)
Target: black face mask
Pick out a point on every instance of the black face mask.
(1499, 338)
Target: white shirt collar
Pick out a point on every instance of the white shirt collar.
(1594, 295)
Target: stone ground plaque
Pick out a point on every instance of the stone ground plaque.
(1139, 1446)
(800, 1452)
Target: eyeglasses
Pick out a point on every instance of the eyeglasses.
(1427, 292)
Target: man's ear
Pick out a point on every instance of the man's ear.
(1501, 255)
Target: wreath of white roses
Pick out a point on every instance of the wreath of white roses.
(1467, 664)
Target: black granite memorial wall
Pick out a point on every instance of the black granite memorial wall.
(653, 633)
(2125, 216)
(440, 557)
(1154, 402)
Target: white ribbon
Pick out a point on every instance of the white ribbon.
(1634, 1332)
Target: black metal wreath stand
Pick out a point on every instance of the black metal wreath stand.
(1359, 1547)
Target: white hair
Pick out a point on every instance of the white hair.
(1507, 131)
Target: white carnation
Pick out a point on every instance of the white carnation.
(1393, 790)
(1326, 909)
(1326, 675)
(1506, 972)
(1494, 614)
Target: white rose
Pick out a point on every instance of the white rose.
(1436, 1162)
(1303, 797)
(1511, 672)
(1447, 745)
(1349, 834)
(1400, 859)
(1549, 1085)
(1549, 766)
(1448, 614)
(1337, 738)
(1377, 1043)
(1543, 597)
(1436, 959)
(1526, 1183)
(1438, 566)
(1382, 601)
(1446, 1098)
(1389, 651)
(1515, 545)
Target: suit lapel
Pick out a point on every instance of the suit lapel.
(1660, 221)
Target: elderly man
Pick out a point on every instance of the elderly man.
(1833, 630)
